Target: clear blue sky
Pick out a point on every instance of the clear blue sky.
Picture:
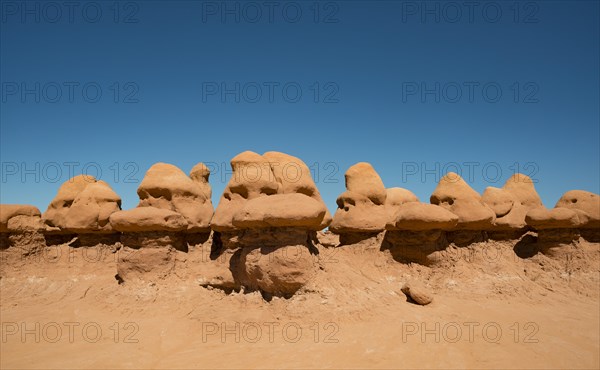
(161, 66)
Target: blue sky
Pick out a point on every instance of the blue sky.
(414, 88)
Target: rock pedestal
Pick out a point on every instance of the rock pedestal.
(20, 229)
(417, 231)
(275, 260)
(268, 215)
(174, 210)
(557, 229)
(587, 205)
(150, 237)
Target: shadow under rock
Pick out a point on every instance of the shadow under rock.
(422, 247)
(527, 247)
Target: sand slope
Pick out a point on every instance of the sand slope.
(491, 309)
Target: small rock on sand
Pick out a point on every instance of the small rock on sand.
(418, 293)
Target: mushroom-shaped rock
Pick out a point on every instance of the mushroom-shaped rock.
(510, 213)
(522, 187)
(150, 237)
(20, 227)
(252, 177)
(19, 217)
(555, 218)
(416, 233)
(56, 214)
(396, 197)
(147, 219)
(416, 216)
(92, 208)
(281, 210)
(556, 227)
(455, 195)
(271, 206)
(512, 202)
(166, 186)
(361, 208)
(357, 213)
(585, 201)
(293, 176)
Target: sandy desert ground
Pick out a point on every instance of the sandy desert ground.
(63, 308)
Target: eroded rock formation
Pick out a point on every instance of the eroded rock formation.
(55, 217)
(266, 230)
(510, 205)
(268, 215)
(474, 216)
(167, 187)
(89, 214)
(20, 228)
(577, 213)
(587, 204)
(174, 209)
(82, 207)
(362, 211)
(417, 231)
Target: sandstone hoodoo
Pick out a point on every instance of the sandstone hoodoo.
(91, 213)
(268, 215)
(55, 217)
(252, 177)
(361, 211)
(557, 228)
(587, 204)
(554, 218)
(522, 187)
(268, 223)
(416, 232)
(293, 176)
(577, 213)
(20, 228)
(510, 205)
(19, 217)
(255, 176)
(167, 187)
(88, 215)
(474, 216)
(150, 237)
(91, 209)
(174, 210)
